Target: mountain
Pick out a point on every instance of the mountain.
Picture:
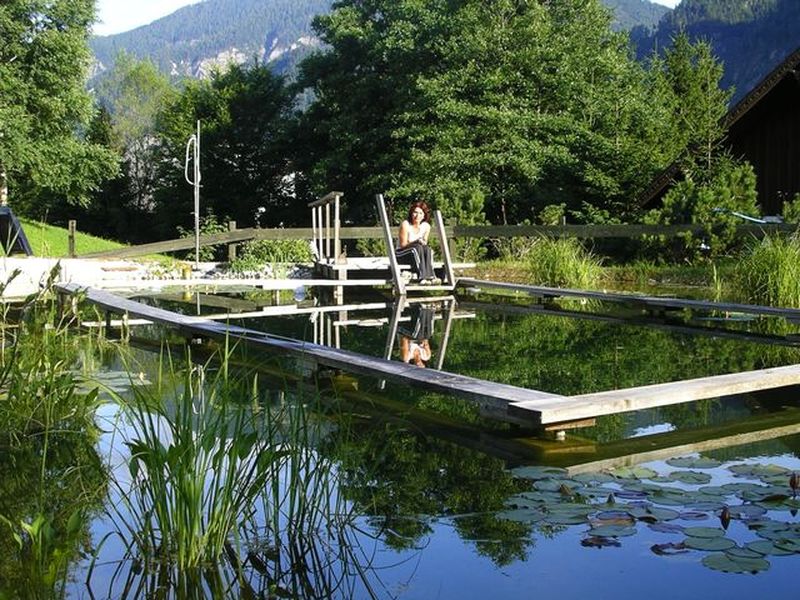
(751, 37)
(194, 39)
(629, 14)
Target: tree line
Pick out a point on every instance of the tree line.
(502, 112)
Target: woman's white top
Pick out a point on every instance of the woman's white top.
(421, 234)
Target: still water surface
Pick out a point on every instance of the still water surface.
(449, 505)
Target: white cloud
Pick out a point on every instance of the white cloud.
(116, 16)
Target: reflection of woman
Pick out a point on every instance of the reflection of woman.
(413, 246)
(414, 345)
(417, 352)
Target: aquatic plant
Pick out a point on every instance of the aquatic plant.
(768, 272)
(50, 474)
(197, 461)
(563, 263)
(255, 255)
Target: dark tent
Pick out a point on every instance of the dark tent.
(12, 235)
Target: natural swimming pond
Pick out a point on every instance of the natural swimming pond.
(358, 491)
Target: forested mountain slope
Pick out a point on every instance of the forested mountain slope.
(190, 41)
(751, 37)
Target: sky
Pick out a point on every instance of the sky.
(116, 16)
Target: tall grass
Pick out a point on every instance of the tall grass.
(562, 263)
(224, 484)
(769, 272)
(48, 431)
(198, 459)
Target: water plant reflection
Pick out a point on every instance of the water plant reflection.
(224, 492)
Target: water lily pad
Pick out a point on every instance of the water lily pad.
(534, 472)
(715, 490)
(669, 549)
(704, 532)
(634, 473)
(739, 552)
(746, 511)
(727, 564)
(693, 515)
(630, 494)
(666, 527)
(757, 470)
(706, 505)
(594, 477)
(766, 547)
(788, 545)
(565, 519)
(709, 544)
(693, 462)
(612, 531)
(522, 515)
(654, 513)
(766, 493)
(690, 477)
(614, 515)
(739, 487)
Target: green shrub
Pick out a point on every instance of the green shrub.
(769, 272)
(208, 224)
(563, 263)
(709, 201)
(253, 256)
(791, 210)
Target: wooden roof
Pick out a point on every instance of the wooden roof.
(788, 68)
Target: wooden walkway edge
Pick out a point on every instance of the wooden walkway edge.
(493, 396)
(791, 314)
(585, 406)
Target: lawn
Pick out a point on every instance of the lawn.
(51, 241)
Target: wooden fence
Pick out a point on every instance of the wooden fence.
(235, 236)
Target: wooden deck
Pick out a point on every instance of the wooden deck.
(556, 410)
(510, 403)
(492, 396)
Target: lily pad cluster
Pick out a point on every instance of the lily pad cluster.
(760, 498)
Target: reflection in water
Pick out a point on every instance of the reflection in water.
(355, 503)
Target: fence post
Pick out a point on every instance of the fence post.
(71, 238)
(451, 242)
(231, 247)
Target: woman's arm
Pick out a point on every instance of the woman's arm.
(403, 236)
(425, 229)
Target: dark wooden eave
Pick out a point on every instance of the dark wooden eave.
(787, 68)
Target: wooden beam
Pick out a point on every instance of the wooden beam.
(485, 393)
(635, 299)
(587, 406)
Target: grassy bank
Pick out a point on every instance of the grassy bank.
(51, 241)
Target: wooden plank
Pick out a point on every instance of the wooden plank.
(485, 393)
(632, 230)
(329, 197)
(388, 238)
(140, 285)
(587, 406)
(639, 320)
(636, 299)
(449, 275)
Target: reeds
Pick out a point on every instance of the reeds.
(562, 263)
(223, 483)
(768, 272)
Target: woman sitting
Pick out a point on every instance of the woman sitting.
(413, 249)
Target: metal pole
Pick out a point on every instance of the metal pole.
(194, 144)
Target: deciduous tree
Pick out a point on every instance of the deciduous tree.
(44, 106)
